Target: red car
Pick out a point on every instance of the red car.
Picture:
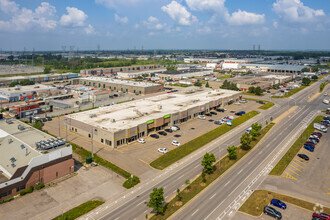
(321, 215)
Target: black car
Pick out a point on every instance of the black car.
(213, 113)
(177, 135)
(49, 118)
(261, 102)
(154, 136)
(220, 110)
(211, 120)
(44, 119)
(272, 212)
(169, 130)
(303, 156)
(162, 133)
(208, 114)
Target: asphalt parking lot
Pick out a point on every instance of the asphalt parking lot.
(292, 212)
(135, 157)
(89, 183)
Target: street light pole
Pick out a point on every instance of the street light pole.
(66, 130)
(59, 126)
(92, 142)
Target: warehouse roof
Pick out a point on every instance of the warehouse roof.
(130, 114)
(277, 67)
(119, 82)
(17, 147)
(28, 88)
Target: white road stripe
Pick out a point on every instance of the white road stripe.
(213, 196)
(194, 212)
(240, 171)
(227, 183)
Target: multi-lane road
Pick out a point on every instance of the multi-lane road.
(223, 197)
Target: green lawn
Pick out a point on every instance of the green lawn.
(265, 106)
(196, 186)
(255, 204)
(189, 147)
(252, 94)
(80, 210)
(294, 149)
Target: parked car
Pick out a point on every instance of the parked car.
(162, 133)
(162, 150)
(154, 136)
(211, 120)
(221, 110)
(240, 113)
(314, 140)
(278, 203)
(175, 90)
(176, 143)
(321, 215)
(201, 117)
(319, 134)
(49, 118)
(213, 113)
(174, 128)
(261, 102)
(208, 114)
(309, 148)
(303, 156)
(168, 130)
(141, 140)
(243, 101)
(309, 143)
(218, 122)
(44, 119)
(272, 212)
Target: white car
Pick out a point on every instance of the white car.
(237, 103)
(140, 140)
(224, 119)
(243, 101)
(162, 150)
(176, 143)
(201, 117)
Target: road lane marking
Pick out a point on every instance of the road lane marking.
(289, 176)
(293, 171)
(240, 171)
(212, 196)
(227, 183)
(250, 162)
(181, 176)
(295, 167)
(140, 203)
(194, 212)
(196, 166)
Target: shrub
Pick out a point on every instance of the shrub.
(27, 191)
(6, 200)
(130, 182)
(40, 186)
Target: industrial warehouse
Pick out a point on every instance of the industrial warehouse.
(123, 123)
(29, 157)
(117, 85)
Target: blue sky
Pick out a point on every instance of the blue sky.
(164, 24)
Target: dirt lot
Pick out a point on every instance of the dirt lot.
(135, 157)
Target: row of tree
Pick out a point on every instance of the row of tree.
(229, 85)
(23, 82)
(255, 90)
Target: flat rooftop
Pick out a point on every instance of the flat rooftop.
(119, 82)
(36, 87)
(17, 147)
(36, 76)
(130, 114)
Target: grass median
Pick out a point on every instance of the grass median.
(255, 204)
(294, 149)
(198, 185)
(265, 106)
(189, 147)
(80, 210)
(130, 182)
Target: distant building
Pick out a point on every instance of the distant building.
(124, 86)
(29, 157)
(113, 70)
(182, 74)
(232, 63)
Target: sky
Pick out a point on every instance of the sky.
(164, 24)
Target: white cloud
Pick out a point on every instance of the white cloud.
(179, 13)
(115, 3)
(121, 20)
(206, 5)
(296, 11)
(275, 24)
(89, 29)
(204, 30)
(153, 23)
(243, 18)
(74, 18)
(23, 18)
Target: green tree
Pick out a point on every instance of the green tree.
(246, 141)
(179, 194)
(256, 128)
(306, 81)
(232, 152)
(207, 85)
(258, 91)
(187, 182)
(156, 200)
(305, 70)
(207, 162)
(13, 84)
(315, 78)
(47, 69)
(38, 125)
(171, 68)
(26, 82)
(252, 89)
(197, 83)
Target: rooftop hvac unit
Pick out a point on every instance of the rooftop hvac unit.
(92, 115)
(27, 152)
(10, 140)
(22, 146)
(113, 120)
(159, 107)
